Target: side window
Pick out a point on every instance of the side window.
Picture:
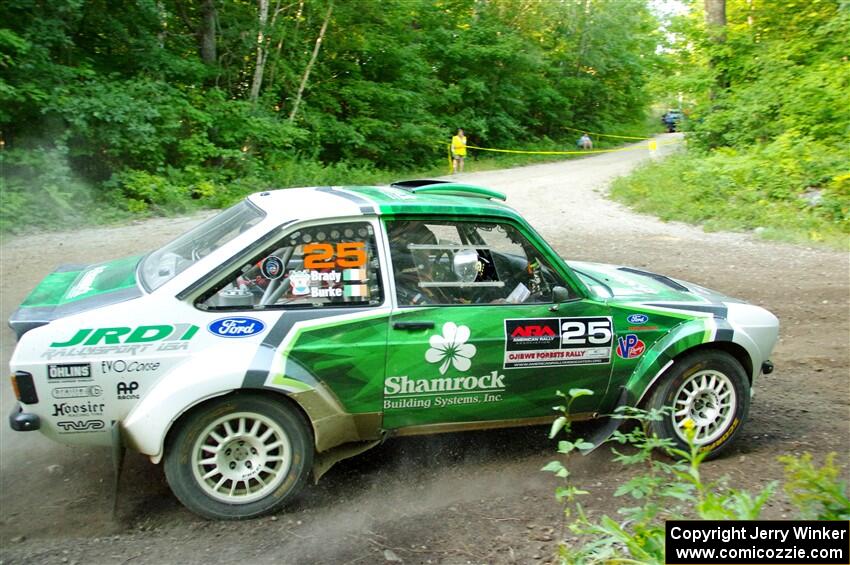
(455, 263)
(328, 265)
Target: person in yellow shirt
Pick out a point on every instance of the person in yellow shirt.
(458, 151)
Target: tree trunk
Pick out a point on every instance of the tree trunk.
(311, 63)
(207, 32)
(715, 21)
(261, 51)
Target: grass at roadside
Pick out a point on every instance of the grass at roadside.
(786, 197)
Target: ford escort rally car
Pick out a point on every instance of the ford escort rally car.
(303, 326)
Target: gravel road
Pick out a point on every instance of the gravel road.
(458, 498)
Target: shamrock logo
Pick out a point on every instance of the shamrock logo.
(451, 348)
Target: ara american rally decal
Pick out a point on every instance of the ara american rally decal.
(552, 342)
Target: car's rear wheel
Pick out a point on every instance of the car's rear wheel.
(707, 391)
(239, 457)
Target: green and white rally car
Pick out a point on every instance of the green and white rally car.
(303, 326)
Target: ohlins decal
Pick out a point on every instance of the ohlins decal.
(139, 334)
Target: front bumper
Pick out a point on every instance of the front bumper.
(21, 421)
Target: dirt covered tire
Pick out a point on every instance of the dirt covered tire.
(708, 388)
(239, 457)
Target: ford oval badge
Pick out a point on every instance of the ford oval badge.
(236, 327)
(637, 319)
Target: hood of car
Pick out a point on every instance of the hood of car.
(71, 289)
(629, 284)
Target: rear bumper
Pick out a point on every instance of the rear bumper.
(21, 421)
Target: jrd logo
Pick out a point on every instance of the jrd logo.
(124, 335)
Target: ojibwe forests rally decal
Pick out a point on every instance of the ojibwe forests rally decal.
(448, 354)
(551, 342)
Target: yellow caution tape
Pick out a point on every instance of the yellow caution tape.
(651, 145)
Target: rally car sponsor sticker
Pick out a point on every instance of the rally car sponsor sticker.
(547, 342)
(84, 391)
(80, 426)
(630, 346)
(69, 371)
(449, 352)
(242, 326)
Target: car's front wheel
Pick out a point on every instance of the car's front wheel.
(239, 457)
(707, 391)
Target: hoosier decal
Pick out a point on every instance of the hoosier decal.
(542, 342)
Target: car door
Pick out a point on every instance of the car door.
(318, 292)
(474, 335)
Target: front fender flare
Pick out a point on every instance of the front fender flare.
(660, 356)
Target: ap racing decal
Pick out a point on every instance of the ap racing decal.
(552, 342)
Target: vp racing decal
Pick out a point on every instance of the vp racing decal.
(552, 342)
(630, 346)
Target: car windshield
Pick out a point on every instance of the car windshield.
(167, 262)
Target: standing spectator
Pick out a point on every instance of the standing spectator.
(585, 142)
(458, 151)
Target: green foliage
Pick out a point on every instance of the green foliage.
(818, 493)
(115, 96)
(782, 188)
(673, 488)
(769, 123)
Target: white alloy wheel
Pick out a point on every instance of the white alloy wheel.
(708, 399)
(241, 457)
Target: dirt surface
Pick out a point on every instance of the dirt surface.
(459, 498)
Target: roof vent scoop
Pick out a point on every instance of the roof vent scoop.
(448, 188)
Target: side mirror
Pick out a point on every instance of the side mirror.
(559, 294)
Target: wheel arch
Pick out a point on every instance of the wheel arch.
(698, 334)
(149, 428)
(277, 395)
(736, 351)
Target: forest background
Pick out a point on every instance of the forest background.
(117, 108)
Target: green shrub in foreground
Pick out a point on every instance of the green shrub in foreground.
(673, 488)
